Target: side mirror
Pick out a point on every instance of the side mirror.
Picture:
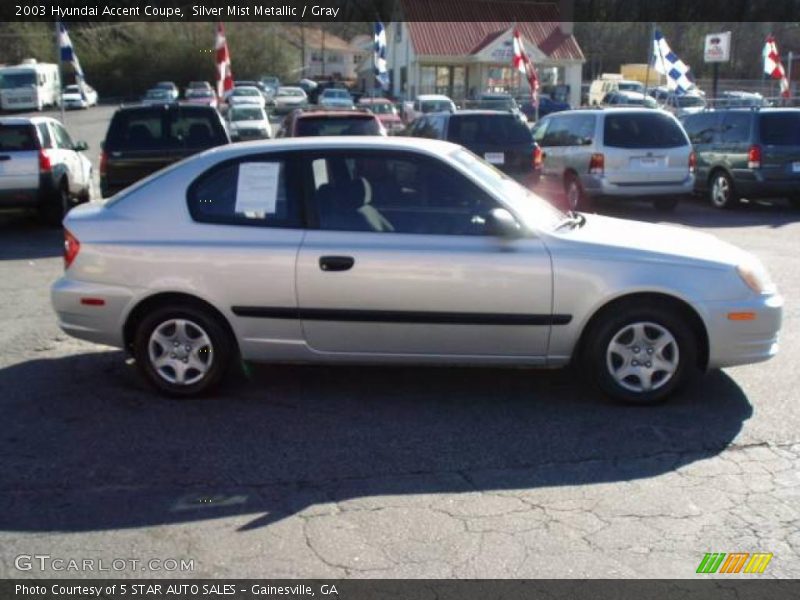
(501, 223)
(80, 146)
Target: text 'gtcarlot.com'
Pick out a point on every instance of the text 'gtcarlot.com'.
(46, 562)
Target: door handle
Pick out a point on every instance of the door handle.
(336, 263)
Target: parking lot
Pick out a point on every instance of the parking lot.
(391, 472)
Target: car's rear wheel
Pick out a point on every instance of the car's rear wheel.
(575, 194)
(640, 355)
(721, 191)
(665, 204)
(183, 351)
(53, 210)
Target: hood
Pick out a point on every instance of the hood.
(664, 243)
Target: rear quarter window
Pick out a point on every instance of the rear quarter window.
(780, 129)
(642, 130)
(17, 138)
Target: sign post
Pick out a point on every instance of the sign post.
(717, 49)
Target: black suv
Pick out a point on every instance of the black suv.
(746, 153)
(143, 139)
(498, 137)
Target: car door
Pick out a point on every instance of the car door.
(401, 264)
(735, 139)
(702, 131)
(66, 155)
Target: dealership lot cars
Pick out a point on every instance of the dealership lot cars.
(392, 472)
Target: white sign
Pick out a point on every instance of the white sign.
(717, 47)
(257, 189)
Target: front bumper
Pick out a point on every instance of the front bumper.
(98, 324)
(743, 342)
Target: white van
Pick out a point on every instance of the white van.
(30, 85)
(611, 82)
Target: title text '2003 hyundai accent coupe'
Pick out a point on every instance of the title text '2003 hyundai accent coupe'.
(375, 250)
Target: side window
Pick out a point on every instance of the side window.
(63, 141)
(557, 133)
(248, 191)
(701, 128)
(540, 131)
(44, 136)
(736, 127)
(396, 193)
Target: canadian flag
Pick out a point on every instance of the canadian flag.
(523, 64)
(224, 73)
(773, 66)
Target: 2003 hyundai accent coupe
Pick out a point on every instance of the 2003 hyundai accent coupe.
(375, 250)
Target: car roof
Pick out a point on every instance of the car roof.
(313, 113)
(478, 111)
(165, 106)
(433, 97)
(374, 101)
(25, 120)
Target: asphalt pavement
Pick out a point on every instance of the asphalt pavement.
(308, 471)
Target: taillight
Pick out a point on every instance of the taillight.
(103, 163)
(754, 157)
(71, 248)
(597, 164)
(44, 162)
(692, 162)
(538, 157)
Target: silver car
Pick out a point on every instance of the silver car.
(619, 153)
(398, 250)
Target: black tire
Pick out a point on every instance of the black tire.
(598, 360)
(725, 196)
(217, 359)
(665, 204)
(575, 195)
(53, 209)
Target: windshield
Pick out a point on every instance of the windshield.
(72, 89)
(16, 80)
(336, 94)
(247, 114)
(165, 85)
(429, 106)
(688, 101)
(246, 92)
(630, 86)
(199, 94)
(497, 103)
(157, 94)
(381, 109)
(537, 212)
(290, 92)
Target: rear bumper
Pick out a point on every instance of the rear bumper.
(600, 187)
(743, 342)
(98, 324)
(28, 197)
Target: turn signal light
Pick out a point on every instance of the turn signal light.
(597, 164)
(71, 248)
(754, 157)
(742, 316)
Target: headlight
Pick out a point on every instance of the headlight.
(756, 277)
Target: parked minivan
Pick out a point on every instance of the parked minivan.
(750, 153)
(621, 153)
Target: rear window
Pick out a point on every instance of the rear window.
(488, 129)
(641, 130)
(17, 138)
(780, 129)
(157, 128)
(312, 126)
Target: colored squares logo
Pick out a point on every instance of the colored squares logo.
(736, 562)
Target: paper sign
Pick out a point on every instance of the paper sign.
(257, 189)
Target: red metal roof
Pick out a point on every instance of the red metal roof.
(477, 23)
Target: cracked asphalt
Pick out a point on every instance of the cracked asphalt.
(301, 471)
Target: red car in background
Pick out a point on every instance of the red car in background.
(386, 112)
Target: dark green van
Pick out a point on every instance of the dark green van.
(746, 153)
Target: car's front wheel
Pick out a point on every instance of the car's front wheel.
(640, 355)
(183, 351)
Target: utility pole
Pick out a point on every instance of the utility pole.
(60, 70)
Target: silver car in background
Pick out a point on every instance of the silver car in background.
(619, 153)
(398, 250)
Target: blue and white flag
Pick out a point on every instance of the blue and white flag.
(668, 63)
(68, 53)
(381, 74)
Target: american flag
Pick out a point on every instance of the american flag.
(524, 65)
(224, 73)
(773, 65)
